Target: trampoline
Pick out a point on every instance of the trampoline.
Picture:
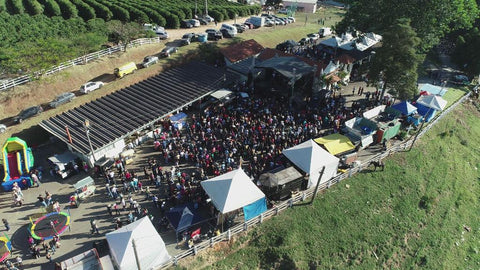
(51, 224)
(5, 248)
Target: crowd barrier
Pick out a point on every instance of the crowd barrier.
(302, 196)
(82, 60)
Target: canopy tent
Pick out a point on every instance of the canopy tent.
(336, 143)
(148, 244)
(183, 217)
(426, 112)
(235, 190)
(433, 102)
(286, 65)
(433, 89)
(405, 108)
(310, 158)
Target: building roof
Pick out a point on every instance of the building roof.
(242, 50)
(270, 53)
(117, 115)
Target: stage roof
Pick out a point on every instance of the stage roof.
(120, 114)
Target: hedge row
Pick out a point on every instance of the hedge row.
(166, 13)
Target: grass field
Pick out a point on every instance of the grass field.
(415, 214)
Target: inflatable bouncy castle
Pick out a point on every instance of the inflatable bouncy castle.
(16, 160)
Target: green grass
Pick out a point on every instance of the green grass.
(410, 216)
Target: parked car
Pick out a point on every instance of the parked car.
(187, 39)
(194, 22)
(149, 60)
(283, 11)
(208, 18)
(269, 23)
(62, 99)
(313, 37)
(291, 19)
(240, 28)
(203, 21)
(27, 113)
(303, 41)
(3, 128)
(167, 51)
(90, 86)
(213, 34)
(186, 24)
(249, 24)
(162, 34)
(226, 33)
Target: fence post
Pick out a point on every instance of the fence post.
(290, 203)
(195, 251)
(276, 210)
(229, 234)
(261, 217)
(349, 172)
(245, 226)
(175, 260)
(303, 196)
(329, 183)
(211, 242)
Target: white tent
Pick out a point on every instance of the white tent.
(149, 246)
(310, 158)
(434, 102)
(232, 191)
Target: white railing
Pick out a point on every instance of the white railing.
(301, 196)
(82, 60)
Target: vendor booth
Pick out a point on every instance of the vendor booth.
(336, 143)
(150, 251)
(83, 189)
(279, 184)
(183, 218)
(404, 108)
(311, 158)
(360, 130)
(433, 89)
(63, 164)
(235, 190)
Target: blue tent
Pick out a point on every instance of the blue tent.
(255, 209)
(405, 108)
(182, 218)
(428, 113)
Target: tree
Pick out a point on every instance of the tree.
(124, 32)
(466, 54)
(88, 42)
(430, 19)
(396, 62)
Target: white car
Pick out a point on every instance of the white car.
(90, 86)
(149, 60)
(3, 128)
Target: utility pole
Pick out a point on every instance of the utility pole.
(136, 254)
(318, 184)
(206, 7)
(87, 132)
(195, 7)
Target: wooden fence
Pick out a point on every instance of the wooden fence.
(299, 197)
(82, 60)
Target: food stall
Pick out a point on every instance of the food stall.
(83, 189)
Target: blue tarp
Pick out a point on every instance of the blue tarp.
(405, 108)
(182, 217)
(433, 89)
(178, 117)
(423, 110)
(254, 209)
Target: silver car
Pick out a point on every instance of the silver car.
(61, 99)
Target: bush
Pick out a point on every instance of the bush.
(172, 21)
(52, 8)
(426, 203)
(68, 9)
(137, 15)
(85, 11)
(2, 6)
(218, 16)
(14, 6)
(33, 7)
(101, 11)
(179, 13)
(119, 13)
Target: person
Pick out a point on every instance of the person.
(35, 179)
(215, 22)
(49, 256)
(19, 261)
(190, 243)
(7, 226)
(93, 223)
(51, 244)
(42, 200)
(109, 209)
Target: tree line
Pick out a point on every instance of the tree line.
(410, 30)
